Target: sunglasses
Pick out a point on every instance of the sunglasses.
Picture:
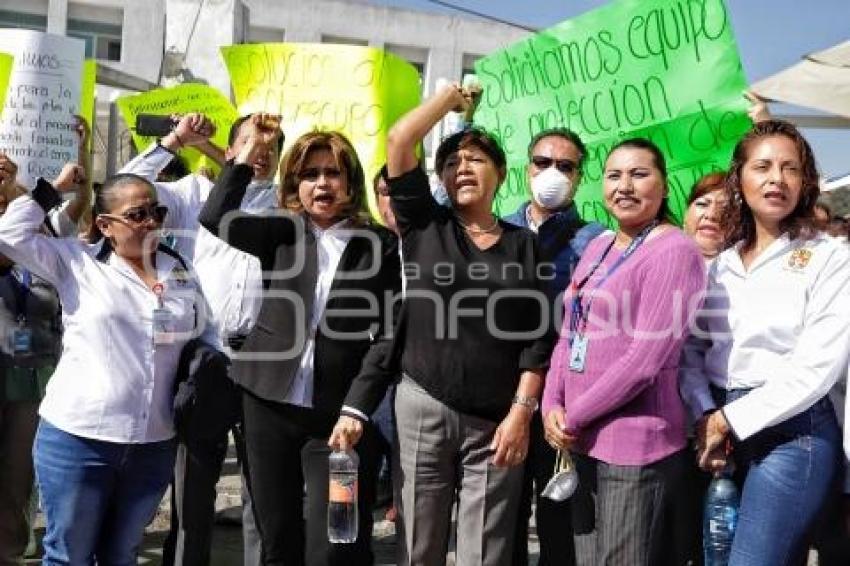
(565, 166)
(142, 214)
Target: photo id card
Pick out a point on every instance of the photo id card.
(20, 341)
(163, 326)
(578, 352)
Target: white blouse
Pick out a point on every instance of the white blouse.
(231, 279)
(112, 382)
(781, 328)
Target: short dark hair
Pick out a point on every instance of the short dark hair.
(376, 180)
(470, 137)
(234, 132)
(564, 133)
(658, 160)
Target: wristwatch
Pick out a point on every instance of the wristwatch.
(530, 402)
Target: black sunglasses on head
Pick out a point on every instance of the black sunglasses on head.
(565, 166)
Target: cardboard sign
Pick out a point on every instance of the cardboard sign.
(181, 99)
(359, 91)
(667, 70)
(6, 62)
(37, 128)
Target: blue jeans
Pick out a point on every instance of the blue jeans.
(787, 471)
(97, 496)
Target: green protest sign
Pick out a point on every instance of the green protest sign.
(359, 91)
(6, 62)
(667, 70)
(181, 99)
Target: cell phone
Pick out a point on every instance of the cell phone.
(154, 125)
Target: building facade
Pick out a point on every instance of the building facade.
(170, 41)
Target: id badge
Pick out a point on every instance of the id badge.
(163, 326)
(578, 352)
(20, 341)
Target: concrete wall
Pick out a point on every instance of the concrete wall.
(152, 27)
(445, 38)
(142, 24)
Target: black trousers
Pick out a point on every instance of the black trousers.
(554, 524)
(287, 452)
(197, 469)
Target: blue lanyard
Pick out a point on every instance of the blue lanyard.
(22, 289)
(579, 315)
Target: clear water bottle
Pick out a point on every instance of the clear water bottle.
(719, 520)
(342, 497)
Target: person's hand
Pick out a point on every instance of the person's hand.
(510, 441)
(8, 172)
(472, 94)
(346, 433)
(758, 110)
(554, 430)
(83, 131)
(711, 439)
(265, 128)
(70, 178)
(455, 95)
(263, 132)
(192, 129)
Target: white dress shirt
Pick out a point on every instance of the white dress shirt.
(330, 244)
(231, 279)
(112, 382)
(781, 328)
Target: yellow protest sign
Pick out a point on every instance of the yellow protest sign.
(6, 62)
(359, 91)
(181, 99)
(87, 94)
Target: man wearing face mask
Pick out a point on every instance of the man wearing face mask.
(554, 172)
(231, 282)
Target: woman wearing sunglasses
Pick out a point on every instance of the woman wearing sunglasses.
(104, 449)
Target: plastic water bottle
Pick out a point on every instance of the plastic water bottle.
(342, 497)
(719, 520)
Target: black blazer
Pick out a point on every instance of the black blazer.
(357, 313)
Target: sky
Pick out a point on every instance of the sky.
(771, 35)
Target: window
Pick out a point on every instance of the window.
(260, 34)
(99, 27)
(416, 56)
(344, 40)
(22, 20)
(468, 65)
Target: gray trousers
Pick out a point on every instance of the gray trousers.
(621, 513)
(443, 454)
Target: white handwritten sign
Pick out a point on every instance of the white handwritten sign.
(37, 124)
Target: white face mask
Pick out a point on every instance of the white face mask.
(551, 189)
